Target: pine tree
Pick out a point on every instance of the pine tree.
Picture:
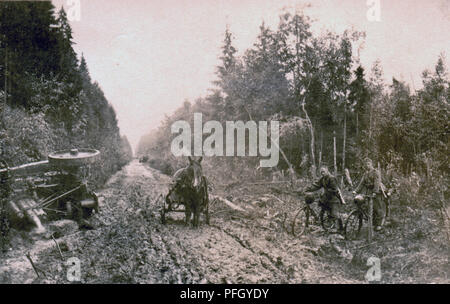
(359, 98)
(435, 84)
(226, 73)
(228, 56)
(84, 72)
(68, 59)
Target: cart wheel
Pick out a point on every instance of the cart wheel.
(326, 220)
(353, 225)
(301, 221)
(163, 211)
(206, 199)
(207, 212)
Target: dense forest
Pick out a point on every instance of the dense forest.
(48, 101)
(332, 110)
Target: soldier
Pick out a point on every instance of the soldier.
(330, 198)
(371, 186)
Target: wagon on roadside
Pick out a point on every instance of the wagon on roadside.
(49, 190)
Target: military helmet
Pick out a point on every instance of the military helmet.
(309, 198)
(359, 199)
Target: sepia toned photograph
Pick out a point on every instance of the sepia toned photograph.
(213, 142)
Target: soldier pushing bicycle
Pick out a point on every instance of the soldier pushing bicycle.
(372, 187)
(330, 200)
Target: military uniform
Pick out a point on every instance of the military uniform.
(330, 197)
(371, 185)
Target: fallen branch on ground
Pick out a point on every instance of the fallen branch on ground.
(228, 203)
(59, 249)
(36, 269)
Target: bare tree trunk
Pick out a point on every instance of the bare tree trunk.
(334, 153)
(321, 146)
(444, 213)
(344, 141)
(297, 91)
(357, 125)
(370, 124)
(6, 73)
(311, 129)
(297, 54)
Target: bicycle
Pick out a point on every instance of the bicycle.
(354, 221)
(356, 218)
(302, 218)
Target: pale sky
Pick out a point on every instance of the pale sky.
(149, 56)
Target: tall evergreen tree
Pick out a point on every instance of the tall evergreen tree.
(359, 98)
(228, 56)
(68, 59)
(227, 73)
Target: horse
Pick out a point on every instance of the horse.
(190, 189)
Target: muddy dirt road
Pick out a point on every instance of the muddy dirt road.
(130, 245)
(233, 249)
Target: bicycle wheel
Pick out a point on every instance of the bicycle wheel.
(326, 220)
(353, 225)
(301, 222)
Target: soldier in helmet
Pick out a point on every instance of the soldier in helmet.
(371, 186)
(330, 198)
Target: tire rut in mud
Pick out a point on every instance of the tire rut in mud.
(280, 273)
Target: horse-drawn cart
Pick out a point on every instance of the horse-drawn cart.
(190, 190)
